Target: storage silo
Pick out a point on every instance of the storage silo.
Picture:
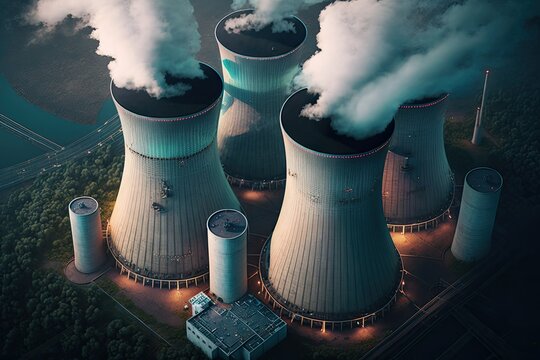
(227, 250)
(418, 184)
(87, 234)
(331, 256)
(481, 192)
(172, 180)
(258, 69)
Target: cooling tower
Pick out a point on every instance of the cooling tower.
(86, 230)
(481, 191)
(227, 249)
(418, 185)
(331, 256)
(172, 180)
(258, 68)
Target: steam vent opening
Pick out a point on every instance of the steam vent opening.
(261, 43)
(203, 93)
(84, 205)
(318, 135)
(425, 101)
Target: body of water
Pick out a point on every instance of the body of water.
(15, 148)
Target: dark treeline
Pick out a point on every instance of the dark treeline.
(42, 314)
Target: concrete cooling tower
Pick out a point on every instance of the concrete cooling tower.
(87, 233)
(418, 185)
(258, 68)
(172, 181)
(227, 246)
(331, 258)
(481, 192)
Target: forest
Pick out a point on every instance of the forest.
(43, 314)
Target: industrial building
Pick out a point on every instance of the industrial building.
(331, 259)
(418, 184)
(227, 248)
(87, 234)
(481, 192)
(258, 69)
(245, 330)
(172, 182)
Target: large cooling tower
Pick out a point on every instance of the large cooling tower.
(172, 180)
(227, 248)
(481, 191)
(86, 230)
(418, 185)
(331, 255)
(258, 68)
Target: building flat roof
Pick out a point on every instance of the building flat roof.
(319, 135)
(261, 43)
(246, 323)
(203, 93)
(227, 223)
(485, 180)
(83, 205)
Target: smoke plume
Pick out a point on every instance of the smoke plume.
(267, 12)
(146, 39)
(376, 55)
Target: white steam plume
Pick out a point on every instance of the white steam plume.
(146, 39)
(376, 55)
(267, 12)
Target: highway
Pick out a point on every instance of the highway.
(28, 134)
(108, 133)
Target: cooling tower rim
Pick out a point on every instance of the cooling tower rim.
(94, 202)
(231, 210)
(251, 57)
(485, 169)
(420, 103)
(357, 155)
(189, 116)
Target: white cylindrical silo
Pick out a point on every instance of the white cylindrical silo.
(227, 252)
(331, 256)
(88, 244)
(258, 69)
(481, 193)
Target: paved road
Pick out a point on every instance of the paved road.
(28, 134)
(108, 133)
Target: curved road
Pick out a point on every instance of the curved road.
(108, 133)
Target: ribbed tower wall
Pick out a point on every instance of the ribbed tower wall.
(87, 234)
(172, 182)
(249, 135)
(228, 254)
(418, 184)
(481, 192)
(331, 255)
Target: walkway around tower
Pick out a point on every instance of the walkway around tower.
(131, 273)
(306, 317)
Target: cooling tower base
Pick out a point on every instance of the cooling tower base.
(420, 226)
(318, 321)
(162, 283)
(255, 184)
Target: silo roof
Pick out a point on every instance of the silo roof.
(319, 135)
(203, 93)
(84, 205)
(485, 180)
(227, 223)
(263, 42)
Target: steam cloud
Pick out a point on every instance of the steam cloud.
(376, 55)
(147, 39)
(267, 12)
